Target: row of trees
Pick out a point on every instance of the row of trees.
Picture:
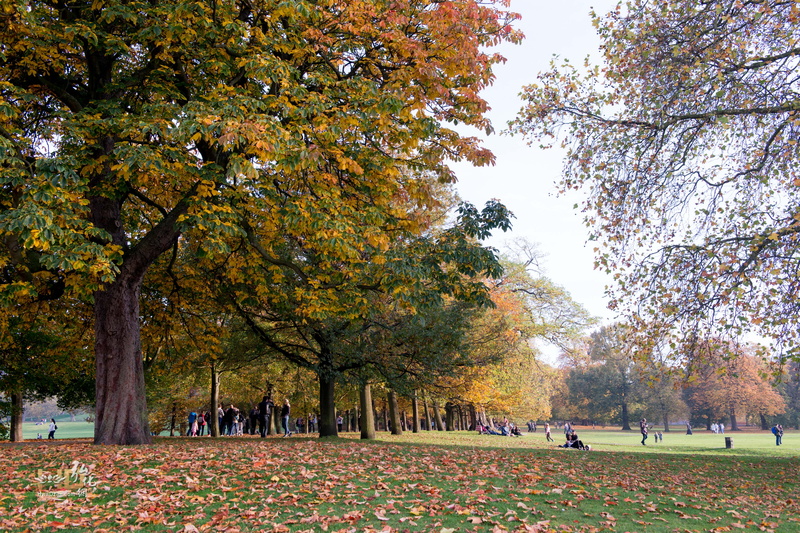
(455, 354)
(182, 168)
(268, 179)
(606, 380)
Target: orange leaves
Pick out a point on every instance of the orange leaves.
(392, 487)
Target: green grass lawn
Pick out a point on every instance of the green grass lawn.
(431, 481)
(80, 429)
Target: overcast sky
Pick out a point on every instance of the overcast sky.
(524, 176)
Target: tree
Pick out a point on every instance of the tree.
(506, 376)
(789, 387)
(662, 393)
(126, 127)
(606, 382)
(729, 380)
(316, 311)
(40, 358)
(686, 143)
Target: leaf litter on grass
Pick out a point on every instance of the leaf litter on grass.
(349, 485)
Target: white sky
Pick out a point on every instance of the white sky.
(524, 176)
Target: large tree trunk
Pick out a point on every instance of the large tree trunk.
(437, 416)
(120, 405)
(448, 413)
(367, 414)
(394, 414)
(425, 410)
(274, 424)
(415, 413)
(172, 419)
(626, 422)
(214, 429)
(121, 408)
(327, 404)
(666, 421)
(17, 415)
(764, 425)
(734, 424)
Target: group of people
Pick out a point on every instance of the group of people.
(504, 427)
(233, 421)
(644, 429)
(574, 442)
(507, 428)
(718, 428)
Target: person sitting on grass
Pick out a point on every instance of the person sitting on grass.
(574, 442)
(486, 430)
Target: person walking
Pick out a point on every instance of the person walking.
(192, 428)
(547, 432)
(207, 417)
(285, 412)
(643, 429)
(53, 428)
(201, 423)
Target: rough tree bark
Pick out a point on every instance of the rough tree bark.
(367, 414)
(214, 429)
(120, 402)
(120, 405)
(415, 413)
(394, 414)
(626, 423)
(734, 423)
(449, 414)
(437, 416)
(17, 414)
(172, 419)
(427, 417)
(327, 403)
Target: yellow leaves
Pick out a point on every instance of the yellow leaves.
(349, 165)
(35, 240)
(206, 189)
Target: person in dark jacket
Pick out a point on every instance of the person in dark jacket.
(264, 411)
(285, 412)
(228, 420)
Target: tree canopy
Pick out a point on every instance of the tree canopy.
(685, 141)
(130, 128)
